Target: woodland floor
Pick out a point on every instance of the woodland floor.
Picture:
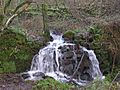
(14, 82)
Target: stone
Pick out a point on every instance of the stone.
(25, 75)
(86, 76)
(67, 62)
(65, 49)
(39, 74)
(51, 38)
(67, 69)
(71, 56)
(68, 55)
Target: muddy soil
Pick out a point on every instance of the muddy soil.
(14, 82)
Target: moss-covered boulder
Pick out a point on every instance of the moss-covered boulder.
(69, 35)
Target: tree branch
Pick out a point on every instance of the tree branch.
(77, 67)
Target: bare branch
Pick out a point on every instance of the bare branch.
(77, 67)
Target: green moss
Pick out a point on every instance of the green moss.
(9, 66)
(69, 35)
(46, 35)
(17, 51)
(98, 85)
(51, 84)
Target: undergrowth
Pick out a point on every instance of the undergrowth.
(51, 84)
(16, 51)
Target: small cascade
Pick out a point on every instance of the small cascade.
(64, 62)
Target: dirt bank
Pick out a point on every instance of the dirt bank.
(14, 82)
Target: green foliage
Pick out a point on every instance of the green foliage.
(80, 38)
(18, 30)
(46, 35)
(34, 10)
(57, 11)
(100, 49)
(51, 84)
(60, 11)
(102, 52)
(69, 34)
(16, 50)
(94, 40)
(98, 85)
(97, 32)
(92, 11)
(8, 66)
(102, 85)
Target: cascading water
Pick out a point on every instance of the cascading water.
(64, 62)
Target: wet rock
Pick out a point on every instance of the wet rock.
(86, 76)
(60, 47)
(87, 45)
(68, 55)
(69, 36)
(25, 75)
(39, 74)
(70, 59)
(67, 62)
(64, 49)
(67, 69)
(51, 38)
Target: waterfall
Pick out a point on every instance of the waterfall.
(60, 59)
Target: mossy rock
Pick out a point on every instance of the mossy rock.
(15, 48)
(69, 35)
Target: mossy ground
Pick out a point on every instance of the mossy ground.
(16, 52)
(51, 84)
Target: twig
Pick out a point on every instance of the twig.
(114, 80)
(9, 21)
(17, 12)
(113, 64)
(77, 67)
